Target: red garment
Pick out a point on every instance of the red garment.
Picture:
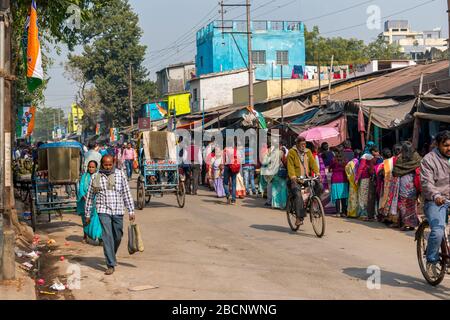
(417, 183)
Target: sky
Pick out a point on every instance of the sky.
(169, 27)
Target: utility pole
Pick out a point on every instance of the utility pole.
(318, 72)
(448, 40)
(130, 96)
(7, 270)
(250, 61)
(282, 100)
(329, 77)
(249, 46)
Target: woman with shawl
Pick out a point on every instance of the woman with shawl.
(407, 170)
(389, 193)
(350, 170)
(366, 182)
(216, 173)
(94, 229)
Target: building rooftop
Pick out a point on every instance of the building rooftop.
(256, 26)
(177, 65)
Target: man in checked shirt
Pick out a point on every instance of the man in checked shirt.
(109, 187)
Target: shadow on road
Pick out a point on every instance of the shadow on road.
(97, 263)
(267, 227)
(398, 280)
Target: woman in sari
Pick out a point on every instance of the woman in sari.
(217, 173)
(350, 170)
(241, 192)
(339, 184)
(366, 183)
(407, 170)
(94, 229)
(279, 182)
(389, 193)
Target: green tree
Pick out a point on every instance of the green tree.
(346, 51)
(113, 47)
(381, 50)
(53, 31)
(46, 118)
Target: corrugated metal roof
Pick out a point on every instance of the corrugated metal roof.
(397, 84)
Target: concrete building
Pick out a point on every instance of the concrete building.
(216, 89)
(412, 43)
(377, 65)
(175, 78)
(271, 89)
(274, 43)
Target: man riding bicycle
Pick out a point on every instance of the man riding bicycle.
(434, 177)
(300, 163)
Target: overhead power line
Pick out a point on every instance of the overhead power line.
(382, 18)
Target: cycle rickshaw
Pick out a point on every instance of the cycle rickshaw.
(55, 180)
(159, 168)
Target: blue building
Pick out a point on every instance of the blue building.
(274, 43)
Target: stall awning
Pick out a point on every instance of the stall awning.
(291, 109)
(433, 117)
(388, 116)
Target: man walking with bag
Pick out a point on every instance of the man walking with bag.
(112, 195)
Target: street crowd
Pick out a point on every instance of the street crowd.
(388, 186)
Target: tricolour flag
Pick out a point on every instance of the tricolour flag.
(25, 121)
(32, 50)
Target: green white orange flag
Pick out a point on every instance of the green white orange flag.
(32, 51)
(25, 121)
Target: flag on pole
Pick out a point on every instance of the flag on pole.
(25, 121)
(32, 50)
(259, 116)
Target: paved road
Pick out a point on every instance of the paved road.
(210, 250)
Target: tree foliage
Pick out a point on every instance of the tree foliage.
(53, 30)
(46, 118)
(346, 51)
(113, 46)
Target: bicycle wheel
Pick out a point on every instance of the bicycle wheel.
(140, 194)
(291, 215)
(181, 194)
(317, 216)
(422, 234)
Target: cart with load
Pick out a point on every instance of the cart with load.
(55, 180)
(159, 168)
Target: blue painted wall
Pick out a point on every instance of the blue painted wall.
(217, 52)
(152, 111)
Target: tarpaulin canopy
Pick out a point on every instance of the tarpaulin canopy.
(389, 116)
(290, 109)
(434, 108)
(323, 116)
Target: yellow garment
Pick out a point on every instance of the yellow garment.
(350, 171)
(294, 166)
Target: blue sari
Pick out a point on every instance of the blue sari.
(94, 229)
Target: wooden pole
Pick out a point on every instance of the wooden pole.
(130, 96)
(369, 125)
(8, 267)
(318, 71)
(363, 143)
(329, 77)
(415, 140)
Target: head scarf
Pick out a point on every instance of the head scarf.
(369, 145)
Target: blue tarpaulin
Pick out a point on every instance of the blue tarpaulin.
(305, 117)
